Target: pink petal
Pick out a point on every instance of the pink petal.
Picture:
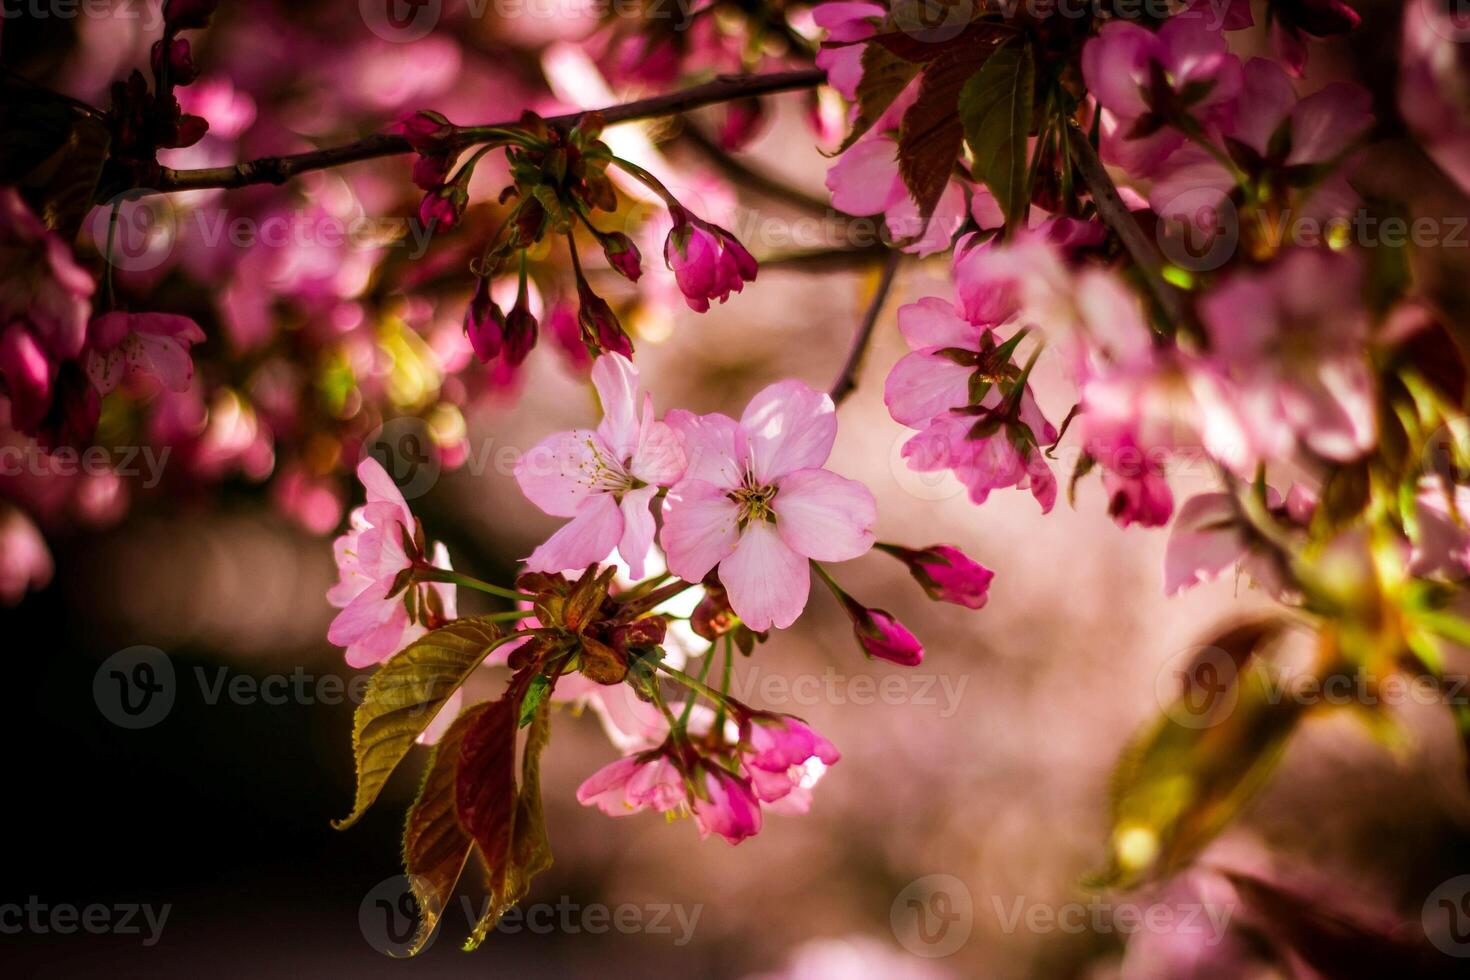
(933, 322)
(700, 528)
(616, 381)
(715, 447)
(589, 538)
(790, 426)
(935, 235)
(160, 358)
(561, 470)
(637, 529)
(1200, 548)
(1112, 64)
(1326, 123)
(823, 516)
(1266, 100)
(768, 583)
(922, 386)
(659, 458)
(865, 179)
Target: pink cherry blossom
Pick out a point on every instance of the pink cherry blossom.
(757, 502)
(1434, 86)
(649, 780)
(725, 804)
(1442, 540)
(42, 288)
(370, 556)
(1147, 82)
(151, 345)
(1005, 453)
(1207, 539)
(604, 479)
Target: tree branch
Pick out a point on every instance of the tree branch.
(1115, 215)
(847, 381)
(278, 170)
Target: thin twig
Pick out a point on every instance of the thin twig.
(1115, 215)
(847, 380)
(278, 170)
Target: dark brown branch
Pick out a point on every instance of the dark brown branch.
(278, 170)
(1115, 215)
(847, 381)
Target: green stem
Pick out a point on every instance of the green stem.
(470, 582)
(709, 658)
(694, 684)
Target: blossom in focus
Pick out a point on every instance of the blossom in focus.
(756, 502)
(152, 345)
(1152, 84)
(946, 574)
(882, 636)
(25, 561)
(785, 759)
(374, 623)
(604, 479)
(725, 804)
(649, 780)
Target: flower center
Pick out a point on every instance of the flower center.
(754, 503)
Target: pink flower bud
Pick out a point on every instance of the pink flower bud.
(946, 573)
(600, 327)
(427, 132)
(882, 636)
(442, 207)
(622, 255)
(484, 324)
(181, 69)
(707, 261)
(520, 331)
(725, 804)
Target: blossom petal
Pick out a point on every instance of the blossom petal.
(659, 458)
(637, 529)
(865, 179)
(923, 386)
(561, 470)
(791, 426)
(933, 322)
(700, 528)
(823, 516)
(768, 583)
(588, 539)
(715, 447)
(616, 381)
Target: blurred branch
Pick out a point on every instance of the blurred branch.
(755, 180)
(278, 170)
(847, 381)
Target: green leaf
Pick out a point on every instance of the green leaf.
(1192, 771)
(885, 75)
(405, 695)
(535, 694)
(995, 108)
(528, 851)
(435, 847)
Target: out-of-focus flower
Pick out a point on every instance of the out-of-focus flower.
(1154, 85)
(603, 479)
(1434, 86)
(1295, 337)
(846, 23)
(866, 180)
(1293, 21)
(151, 345)
(375, 621)
(25, 561)
(756, 501)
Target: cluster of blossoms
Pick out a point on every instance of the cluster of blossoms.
(1127, 196)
